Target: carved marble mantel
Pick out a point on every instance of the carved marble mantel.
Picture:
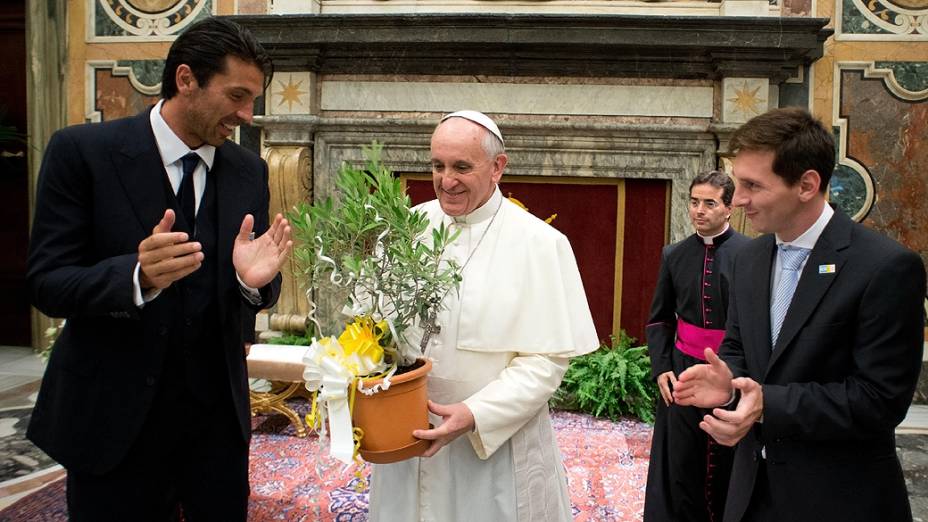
(542, 44)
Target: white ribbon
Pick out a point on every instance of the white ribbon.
(329, 371)
(323, 373)
(382, 385)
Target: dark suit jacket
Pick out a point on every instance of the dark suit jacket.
(840, 380)
(101, 191)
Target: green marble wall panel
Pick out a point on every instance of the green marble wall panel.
(848, 190)
(912, 76)
(853, 21)
(145, 72)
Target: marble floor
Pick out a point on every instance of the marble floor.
(25, 469)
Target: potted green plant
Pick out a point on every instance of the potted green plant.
(381, 262)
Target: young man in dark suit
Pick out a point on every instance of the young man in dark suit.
(823, 342)
(144, 238)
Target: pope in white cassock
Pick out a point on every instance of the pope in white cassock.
(502, 347)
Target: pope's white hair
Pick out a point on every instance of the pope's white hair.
(491, 144)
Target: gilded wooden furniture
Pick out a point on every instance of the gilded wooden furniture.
(282, 365)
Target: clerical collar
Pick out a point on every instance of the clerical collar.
(484, 212)
(170, 146)
(717, 238)
(808, 238)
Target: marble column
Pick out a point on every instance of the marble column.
(46, 97)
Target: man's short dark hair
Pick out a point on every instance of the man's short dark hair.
(204, 47)
(798, 140)
(717, 179)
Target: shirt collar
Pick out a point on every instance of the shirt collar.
(484, 212)
(710, 240)
(171, 148)
(808, 238)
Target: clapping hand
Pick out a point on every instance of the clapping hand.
(704, 385)
(729, 427)
(710, 386)
(165, 256)
(257, 261)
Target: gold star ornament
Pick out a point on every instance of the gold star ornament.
(746, 100)
(290, 93)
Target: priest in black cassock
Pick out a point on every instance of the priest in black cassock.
(688, 472)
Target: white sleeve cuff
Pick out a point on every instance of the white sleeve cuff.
(137, 297)
(253, 295)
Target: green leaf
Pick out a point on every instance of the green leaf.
(612, 382)
(370, 232)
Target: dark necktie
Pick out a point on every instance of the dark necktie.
(186, 196)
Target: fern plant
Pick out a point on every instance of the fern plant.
(291, 340)
(613, 381)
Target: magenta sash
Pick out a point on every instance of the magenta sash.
(693, 340)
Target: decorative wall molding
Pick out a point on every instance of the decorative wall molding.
(881, 20)
(122, 68)
(848, 171)
(134, 20)
(520, 98)
(599, 7)
(744, 98)
(906, 80)
(542, 45)
(290, 93)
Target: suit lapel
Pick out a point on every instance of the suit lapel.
(139, 167)
(232, 202)
(759, 314)
(813, 285)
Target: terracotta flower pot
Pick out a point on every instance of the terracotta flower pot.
(388, 417)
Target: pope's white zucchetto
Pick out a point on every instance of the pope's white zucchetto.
(480, 119)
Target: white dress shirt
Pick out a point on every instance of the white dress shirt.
(806, 240)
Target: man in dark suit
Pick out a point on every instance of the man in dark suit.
(144, 239)
(823, 342)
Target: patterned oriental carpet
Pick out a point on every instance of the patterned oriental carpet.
(607, 464)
